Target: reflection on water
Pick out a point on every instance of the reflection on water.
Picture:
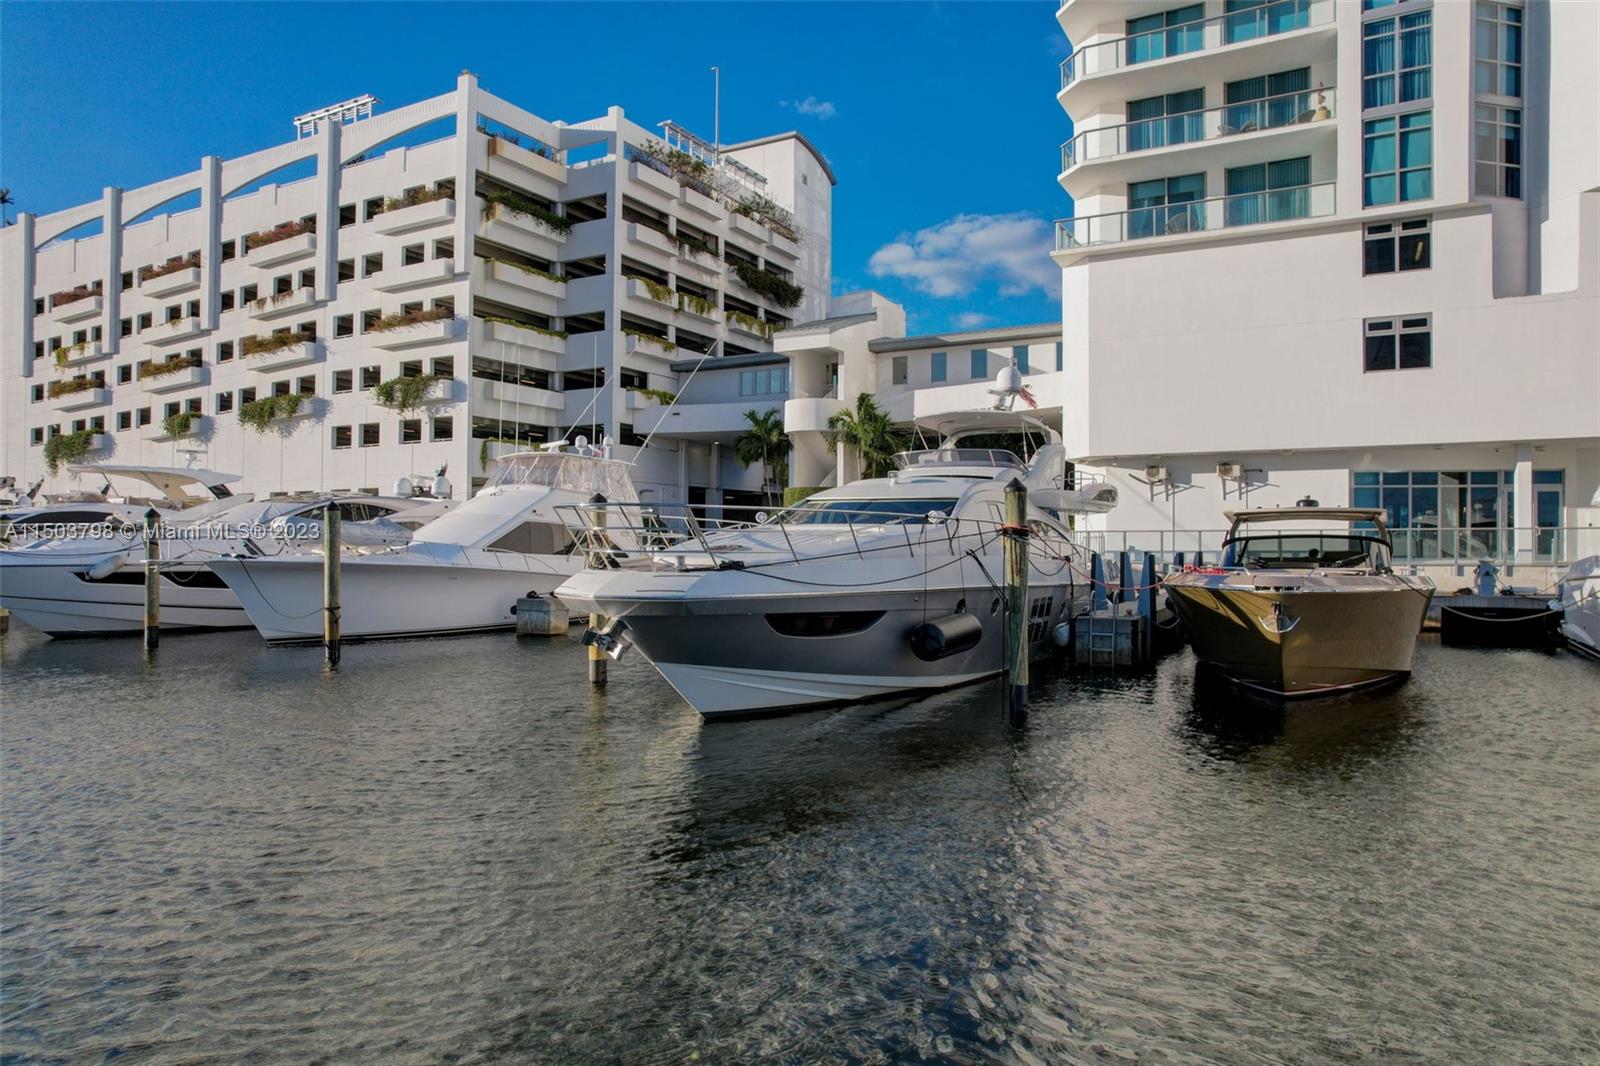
(458, 848)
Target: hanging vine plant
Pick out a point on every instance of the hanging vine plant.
(405, 393)
(178, 425)
(260, 414)
(66, 448)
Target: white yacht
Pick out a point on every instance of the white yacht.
(1578, 600)
(880, 586)
(126, 492)
(463, 572)
(92, 583)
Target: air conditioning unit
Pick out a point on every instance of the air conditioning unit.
(1230, 471)
(1155, 474)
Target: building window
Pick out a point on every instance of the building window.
(343, 381)
(1458, 514)
(124, 420)
(247, 396)
(411, 431)
(369, 434)
(306, 385)
(412, 254)
(980, 364)
(341, 437)
(938, 367)
(1266, 102)
(192, 310)
(125, 327)
(444, 248)
(228, 250)
(1397, 159)
(1246, 20)
(247, 295)
(37, 436)
(372, 208)
(144, 321)
(1398, 343)
(281, 388)
(1391, 246)
(344, 325)
(1165, 33)
(192, 405)
(347, 270)
(371, 376)
(371, 264)
(444, 366)
(1497, 66)
(763, 382)
(1396, 59)
(1019, 358)
(225, 299)
(224, 351)
(347, 215)
(224, 402)
(143, 417)
(1157, 121)
(444, 427)
(37, 392)
(1166, 205)
(899, 372)
(1497, 150)
(125, 374)
(1269, 192)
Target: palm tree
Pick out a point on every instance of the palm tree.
(869, 431)
(5, 202)
(765, 443)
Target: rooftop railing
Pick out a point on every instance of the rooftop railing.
(1196, 216)
(1195, 127)
(1235, 27)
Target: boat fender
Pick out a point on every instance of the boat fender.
(105, 567)
(940, 638)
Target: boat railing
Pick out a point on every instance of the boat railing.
(1412, 545)
(927, 458)
(678, 537)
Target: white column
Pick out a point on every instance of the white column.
(683, 471)
(210, 240)
(714, 479)
(466, 170)
(24, 296)
(111, 239)
(1522, 505)
(328, 171)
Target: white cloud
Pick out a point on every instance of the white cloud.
(818, 109)
(971, 320)
(955, 257)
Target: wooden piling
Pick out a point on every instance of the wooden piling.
(152, 582)
(331, 551)
(597, 622)
(1016, 567)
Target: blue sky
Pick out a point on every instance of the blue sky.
(940, 119)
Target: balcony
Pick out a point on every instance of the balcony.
(296, 353)
(523, 232)
(509, 392)
(651, 292)
(81, 399)
(749, 227)
(512, 284)
(655, 240)
(503, 156)
(650, 178)
(533, 341)
(1113, 155)
(199, 426)
(284, 250)
(180, 329)
(173, 380)
(285, 304)
(430, 272)
(649, 344)
(415, 217)
(1236, 31)
(811, 414)
(79, 309)
(182, 280)
(78, 354)
(415, 335)
(1213, 216)
(700, 203)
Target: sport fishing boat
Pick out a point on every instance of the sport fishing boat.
(1297, 610)
(463, 572)
(93, 581)
(884, 585)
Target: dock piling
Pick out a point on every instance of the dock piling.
(152, 582)
(597, 622)
(1015, 545)
(331, 641)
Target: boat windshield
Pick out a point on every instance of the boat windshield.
(841, 512)
(1305, 551)
(571, 473)
(937, 457)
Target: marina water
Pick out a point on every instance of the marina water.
(456, 850)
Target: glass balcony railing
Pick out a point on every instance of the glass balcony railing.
(1194, 127)
(1235, 27)
(1196, 216)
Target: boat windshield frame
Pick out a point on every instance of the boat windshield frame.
(1374, 550)
(849, 511)
(564, 472)
(926, 459)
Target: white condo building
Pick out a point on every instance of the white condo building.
(392, 293)
(1338, 249)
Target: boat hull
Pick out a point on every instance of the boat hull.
(1303, 642)
(379, 598)
(60, 600)
(730, 656)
